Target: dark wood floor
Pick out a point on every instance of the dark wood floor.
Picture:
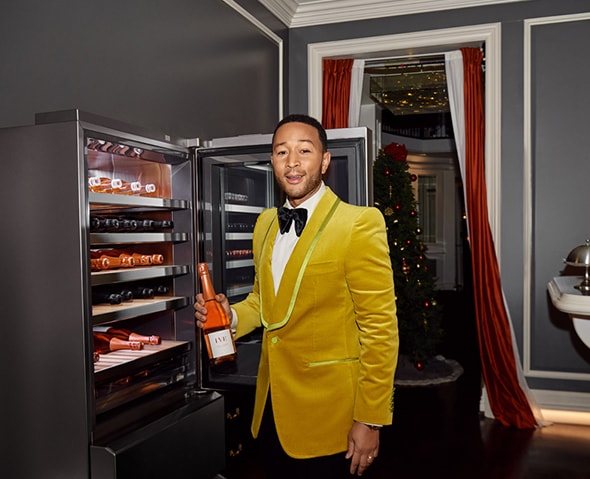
(438, 432)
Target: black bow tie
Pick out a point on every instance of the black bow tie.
(287, 215)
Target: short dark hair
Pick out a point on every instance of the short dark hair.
(308, 120)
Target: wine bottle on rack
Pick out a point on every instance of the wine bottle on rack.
(157, 258)
(100, 184)
(126, 295)
(110, 298)
(141, 292)
(139, 259)
(128, 188)
(161, 290)
(100, 260)
(128, 335)
(104, 224)
(217, 330)
(108, 262)
(154, 225)
(105, 343)
(148, 189)
(127, 224)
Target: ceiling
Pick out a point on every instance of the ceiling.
(303, 13)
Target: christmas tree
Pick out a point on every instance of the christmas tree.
(419, 315)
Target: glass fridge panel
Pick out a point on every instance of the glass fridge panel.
(237, 188)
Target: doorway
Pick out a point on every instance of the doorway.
(462, 340)
(421, 43)
(405, 100)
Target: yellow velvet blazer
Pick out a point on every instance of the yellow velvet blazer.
(330, 341)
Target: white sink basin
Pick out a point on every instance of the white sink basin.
(568, 299)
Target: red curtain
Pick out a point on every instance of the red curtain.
(336, 92)
(508, 401)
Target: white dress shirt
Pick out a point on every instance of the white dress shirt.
(285, 243)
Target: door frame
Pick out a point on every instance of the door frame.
(487, 36)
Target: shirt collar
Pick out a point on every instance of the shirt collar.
(310, 203)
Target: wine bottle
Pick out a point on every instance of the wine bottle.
(104, 224)
(128, 335)
(142, 292)
(153, 225)
(127, 188)
(148, 189)
(105, 343)
(100, 260)
(139, 259)
(110, 298)
(216, 330)
(161, 290)
(104, 185)
(157, 258)
(127, 224)
(126, 295)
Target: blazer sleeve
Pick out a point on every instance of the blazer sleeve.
(370, 280)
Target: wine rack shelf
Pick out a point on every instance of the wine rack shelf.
(106, 202)
(102, 239)
(243, 209)
(103, 313)
(116, 361)
(123, 375)
(99, 278)
(240, 263)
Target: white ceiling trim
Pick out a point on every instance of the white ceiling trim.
(303, 13)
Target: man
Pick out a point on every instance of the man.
(325, 297)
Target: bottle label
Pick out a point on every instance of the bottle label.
(221, 343)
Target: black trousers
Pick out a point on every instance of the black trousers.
(279, 465)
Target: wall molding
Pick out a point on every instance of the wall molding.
(273, 37)
(295, 14)
(528, 249)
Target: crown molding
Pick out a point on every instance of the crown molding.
(295, 14)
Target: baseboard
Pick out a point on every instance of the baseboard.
(562, 407)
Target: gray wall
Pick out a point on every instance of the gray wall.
(190, 68)
(560, 168)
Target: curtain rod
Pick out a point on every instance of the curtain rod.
(396, 60)
(407, 58)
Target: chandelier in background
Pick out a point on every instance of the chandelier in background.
(411, 87)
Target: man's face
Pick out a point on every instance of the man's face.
(298, 161)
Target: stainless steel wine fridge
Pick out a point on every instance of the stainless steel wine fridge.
(100, 234)
(103, 224)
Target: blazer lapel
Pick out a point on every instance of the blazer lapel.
(288, 287)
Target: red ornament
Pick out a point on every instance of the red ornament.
(397, 150)
(397, 207)
(419, 365)
(412, 213)
(426, 304)
(387, 172)
(413, 177)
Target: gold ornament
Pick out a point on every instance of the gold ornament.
(388, 211)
